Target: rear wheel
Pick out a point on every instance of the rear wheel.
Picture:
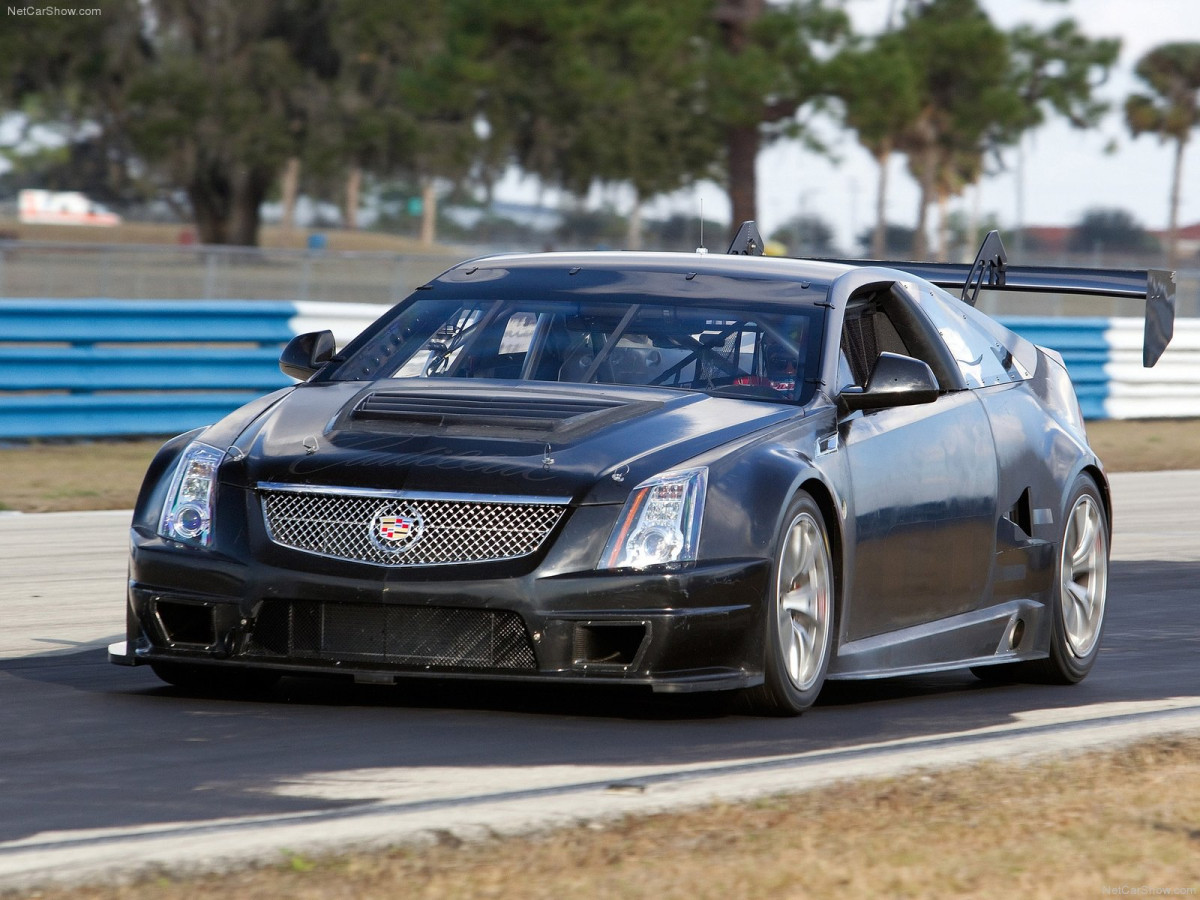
(1082, 586)
(200, 679)
(1080, 595)
(800, 614)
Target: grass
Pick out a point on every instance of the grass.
(1110, 821)
(58, 476)
(1146, 445)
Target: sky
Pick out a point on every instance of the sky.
(1066, 171)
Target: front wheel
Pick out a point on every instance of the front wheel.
(800, 614)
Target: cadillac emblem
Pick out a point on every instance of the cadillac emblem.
(395, 531)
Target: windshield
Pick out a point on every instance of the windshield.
(766, 354)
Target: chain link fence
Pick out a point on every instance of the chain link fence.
(168, 272)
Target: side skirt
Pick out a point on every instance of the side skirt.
(1012, 631)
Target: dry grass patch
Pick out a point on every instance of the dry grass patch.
(1146, 445)
(1127, 818)
(56, 477)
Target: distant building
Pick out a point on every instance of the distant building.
(1048, 239)
(1189, 240)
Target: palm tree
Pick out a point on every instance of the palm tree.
(877, 85)
(1173, 73)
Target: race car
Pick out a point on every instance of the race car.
(687, 472)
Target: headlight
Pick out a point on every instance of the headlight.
(660, 522)
(187, 511)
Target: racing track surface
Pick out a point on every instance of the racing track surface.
(104, 769)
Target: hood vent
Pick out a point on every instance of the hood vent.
(523, 413)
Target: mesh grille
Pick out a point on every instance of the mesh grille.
(395, 635)
(397, 531)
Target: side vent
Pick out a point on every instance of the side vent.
(1021, 514)
(605, 645)
(186, 623)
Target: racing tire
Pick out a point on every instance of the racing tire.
(214, 679)
(1078, 610)
(800, 614)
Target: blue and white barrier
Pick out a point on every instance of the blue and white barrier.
(90, 368)
(1104, 357)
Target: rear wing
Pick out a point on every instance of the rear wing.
(991, 271)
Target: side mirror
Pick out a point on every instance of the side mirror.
(307, 353)
(895, 381)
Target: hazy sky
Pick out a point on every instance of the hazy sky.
(1066, 171)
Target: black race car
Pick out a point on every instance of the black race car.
(692, 472)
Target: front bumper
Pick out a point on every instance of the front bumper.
(695, 628)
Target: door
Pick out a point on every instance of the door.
(923, 481)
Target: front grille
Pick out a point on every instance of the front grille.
(392, 635)
(397, 530)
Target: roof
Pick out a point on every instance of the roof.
(726, 265)
(700, 277)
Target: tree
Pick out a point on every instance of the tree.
(602, 92)
(206, 95)
(965, 97)
(69, 74)
(877, 86)
(965, 234)
(805, 235)
(229, 94)
(951, 90)
(406, 96)
(1172, 72)
(1110, 231)
(766, 68)
(897, 241)
(1055, 71)
(684, 232)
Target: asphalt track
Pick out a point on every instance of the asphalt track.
(104, 771)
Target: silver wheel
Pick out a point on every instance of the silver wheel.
(804, 601)
(1077, 616)
(1084, 573)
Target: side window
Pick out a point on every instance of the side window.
(867, 332)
